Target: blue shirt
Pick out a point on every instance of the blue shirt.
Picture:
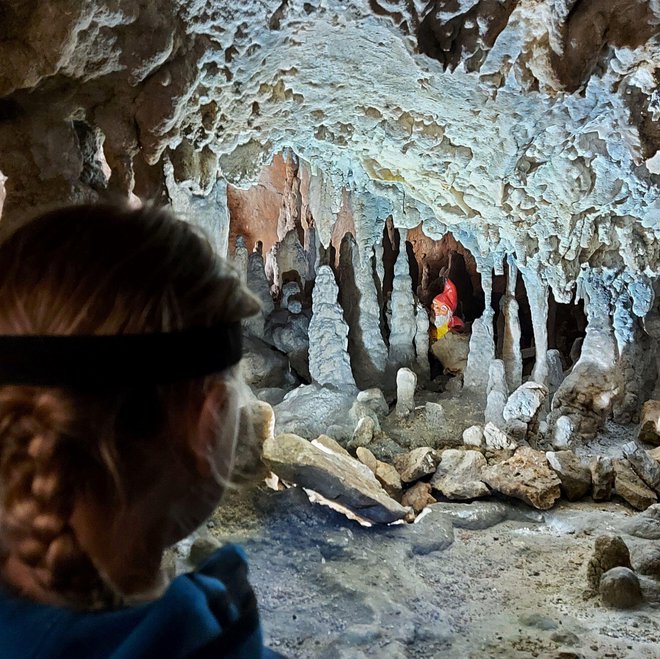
(209, 613)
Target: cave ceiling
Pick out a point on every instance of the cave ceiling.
(524, 127)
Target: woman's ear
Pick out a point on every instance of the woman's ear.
(203, 441)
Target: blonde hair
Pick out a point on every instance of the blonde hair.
(97, 270)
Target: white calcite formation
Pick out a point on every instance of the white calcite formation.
(328, 335)
(529, 135)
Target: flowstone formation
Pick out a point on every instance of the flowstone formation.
(448, 209)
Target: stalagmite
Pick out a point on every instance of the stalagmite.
(359, 300)
(511, 352)
(241, 256)
(406, 382)
(497, 393)
(402, 324)
(537, 294)
(422, 366)
(289, 260)
(329, 363)
(590, 390)
(258, 284)
(482, 344)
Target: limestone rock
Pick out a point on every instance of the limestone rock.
(452, 352)
(418, 497)
(416, 464)
(526, 476)
(201, 548)
(406, 381)
(366, 457)
(256, 423)
(644, 466)
(386, 474)
(646, 560)
(434, 414)
(473, 436)
(375, 400)
(325, 442)
(458, 475)
(525, 401)
(620, 589)
(324, 408)
(602, 478)
(497, 439)
(649, 430)
(629, 486)
(562, 433)
(364, 432)
(262, 366)
(334, 476)
(610, 551)
(646, 524)
(403, 324)
(360, 411)
(574, 475)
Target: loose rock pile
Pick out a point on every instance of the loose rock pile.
(493, 459)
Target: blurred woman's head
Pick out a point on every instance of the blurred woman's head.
(77, 462)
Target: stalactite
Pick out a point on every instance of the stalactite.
(329, 363)
(289, 218)
(511, 351)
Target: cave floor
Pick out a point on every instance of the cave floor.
(512, 585)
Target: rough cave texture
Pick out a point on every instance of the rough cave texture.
(521, 134)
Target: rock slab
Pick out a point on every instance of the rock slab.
(630, 487)
(333, 475)
(575, 477)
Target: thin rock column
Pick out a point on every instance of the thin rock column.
(329, 363)
(537, 294)
(511, 352)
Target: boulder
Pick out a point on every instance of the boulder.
(630, 487)
(452, 352)
(525, 401)
(643, 465)
(649, 429)
(364, 432)
(406, 381)
(562, 433)
(385, 473)
(602, 478)
(644, 525)
(327, 443)
(458, 475)
(323, 408)
(497, 439)
(575, 477)
(526, 476)
(473, 436)
(416, 464)
(620, 589)
(418, 497)
(375, 400)
(646, 560)
(337, 477)
(609, 551)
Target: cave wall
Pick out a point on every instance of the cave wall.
(526, 128)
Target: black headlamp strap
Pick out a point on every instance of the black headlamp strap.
(123, 359)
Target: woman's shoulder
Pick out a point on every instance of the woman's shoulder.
(210, 612)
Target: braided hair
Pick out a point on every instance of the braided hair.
(95, 270)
